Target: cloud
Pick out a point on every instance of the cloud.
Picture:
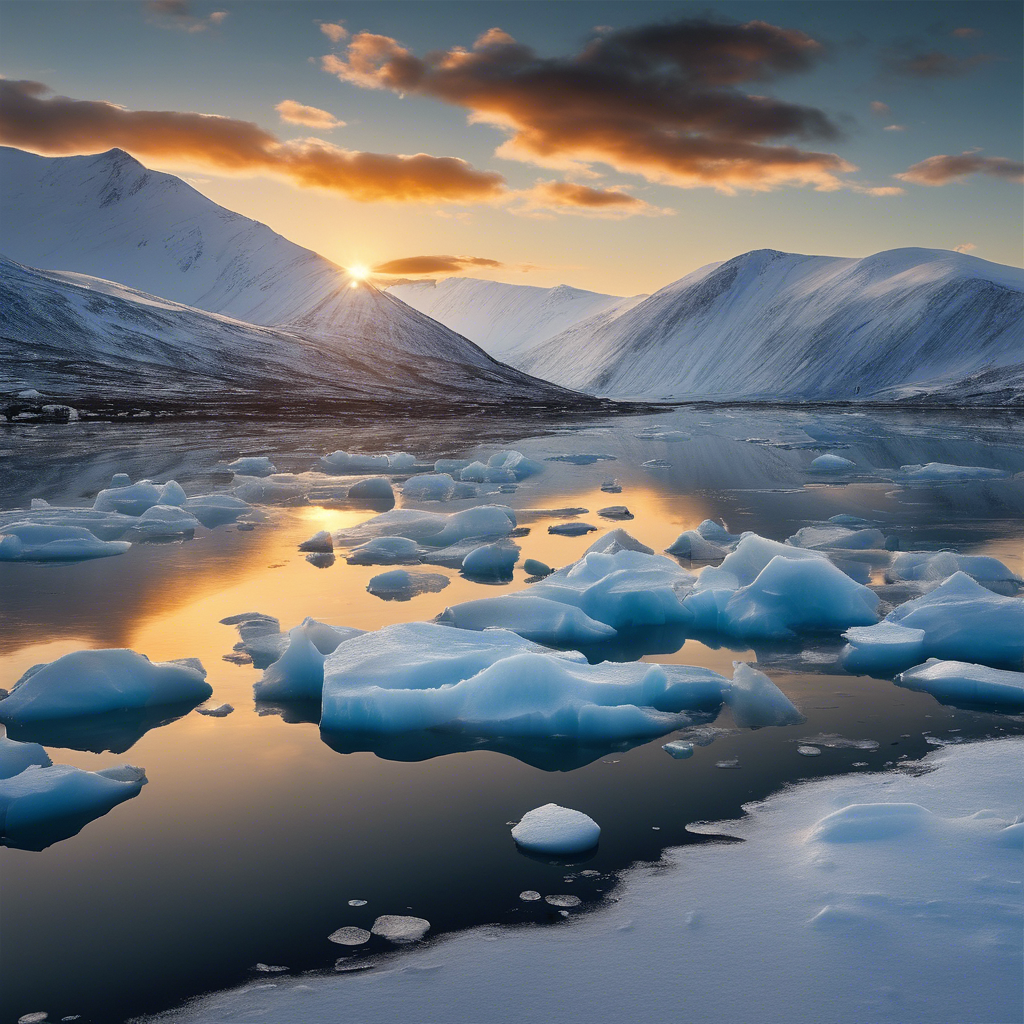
(933, 63)
(334, 31)
(880, 108)
(965, 247)
(895, 128)
(417, 265)
(35, 120)
(942, 169)
(311, 117)
(879, 191)
(570, 197)
(966, 33)
(668, 102)
(178, 14)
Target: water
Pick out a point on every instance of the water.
(255, 839)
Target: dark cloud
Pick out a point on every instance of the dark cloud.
(941, 169)
(664, 101)
(435, 265)
(178, 14)
(35, 120)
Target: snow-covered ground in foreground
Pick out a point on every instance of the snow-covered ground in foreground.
(888, 897)
(907, 323)
(506, 319)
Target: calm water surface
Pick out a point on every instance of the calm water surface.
(253, 832)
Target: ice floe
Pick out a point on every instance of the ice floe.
(930, 567)
(429, 487)
(572, 529)
(372, 488)
(134, 499)
(709, 542)
(164, 522)
(386, 551)
(214, 510)
(755, 701)
(531, 616)
(556, 830)
(957, 682)
(39, 542)
(837, 538)
(95, 682)
(345, 464)
(252, 465)
(679, 749)
(615, 512)
(535, 567)
(491, 561)
(218, 711)
(830, 463)
(349, 936)
(402, 585)
(15, 757)
(321, 542)
(432, 529)
(942, 472)
(399, 929)
(297, 673)
(959, 620)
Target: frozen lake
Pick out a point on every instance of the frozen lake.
(255, 831)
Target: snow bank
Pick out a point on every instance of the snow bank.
(556, 830)
(402, 585)
(94, 682)
(531, 616)
(956, 682)
(942, 472)
(134, 499)
(959, 620)
(252, 465)
(35, 542)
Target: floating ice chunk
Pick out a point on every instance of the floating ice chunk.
(831, 464)
(41, 796)
(656, 434)
(530, 896)
(615, 541)
(343, 463)
(679, 749)
(755, 701)
(30, 394)
(693, 546)
(839, 538)
(845, 519)
(961, 621)
(357, 903)
(935, 566)
(39, 1015)
(15, 757)
(319, 542)
(611, 487)
(557, 830)
(105, 525)
(214, 510)
(876, 648)
(516, 463)
(417, 676)
(373, 488)
(835, 742)
(433, 529)
(564, 901)
(451, 467)
(402, 585)
(386, 551)
(349, 936)
(220, 711)
(401, 462)
(401, 930)
(867, 822)
(491, 561)
(429, 487)
(809, 751)
(571, 529)
(581, 458)
(535, 567)
(624, 589)
(164, 522)
(615, 512)
(942, 472)
(960, 683)
(269, 969)
(252, 465)
(34, 542)
(656, 464)
(481, 473)
(134, 499)
(535, 618)
(94, 682)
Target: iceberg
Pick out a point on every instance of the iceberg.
(957, 682)
(481, 473)
(297, 671)
(44, 804)
(15, 757)
(386, 551)
(837, 538)
(960, 621)
(678, 749)
(571, 529)
(399, 929)
(942, 472)
(533, 617)
(515, 463)
(402, 585)
(617, 540)
(95, 682)
(344, 464)
(105, 525)
(556, 830)
(535, 567)
(252, 465)
(320, 543)
(134, 499)
(36, 542)
(164, 522)
(401, 462)
(373, 488)
(214, 510)
(429, 487)
(451, 467)
(755, 701)
(433, 529)
(618, 512)
(830, 463)
(936, 566)
(491, 561)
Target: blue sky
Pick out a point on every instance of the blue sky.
(242, 65)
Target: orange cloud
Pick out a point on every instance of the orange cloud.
(311, 117)
(435, 265)
(942, 169)
(664, 101)
(334, 31)
(880, 108)
(569, 196)
(35, 120)
(965, 247)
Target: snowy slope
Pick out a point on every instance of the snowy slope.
(504, 319)
(921, 323)
(101, 345)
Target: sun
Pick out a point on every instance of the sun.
(358, 272)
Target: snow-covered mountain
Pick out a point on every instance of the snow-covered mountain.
(505, 319)
(908, 323)
(111, 219)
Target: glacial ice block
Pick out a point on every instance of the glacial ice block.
(837, 538)
(15, 757)
(491, 561)
(373, 488)
(943, 472)
(432, 529)
(298, 674)
(386, 551)
(556, 830)
(756, 702)
(134, 499)
(164, 522)
(531, 616)
(402, 585)
(343, 463)
(252, 465)
(957, 682)
(429, 487)
(35, 542)
(214, 510)
(936, 566)
(94, 682)
(830, 463)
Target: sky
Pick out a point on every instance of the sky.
(609, 146)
